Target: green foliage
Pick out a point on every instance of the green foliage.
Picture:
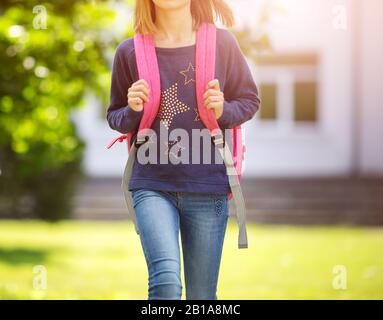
(45, 72)
(256, 40)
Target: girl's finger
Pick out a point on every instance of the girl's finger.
(139, 87)
(136, 101)
(143, 82)
(212, 92)
(214, 105)
(214, 84)
(135, 94)
(212, 99)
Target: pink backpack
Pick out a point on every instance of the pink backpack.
(147, 66)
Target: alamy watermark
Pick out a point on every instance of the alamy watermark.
(340, 19)
(41, 17)
(179, 147)
(40, 278)
(339, 281)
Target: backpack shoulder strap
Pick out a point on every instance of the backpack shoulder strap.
(205, 71)
(147, 66)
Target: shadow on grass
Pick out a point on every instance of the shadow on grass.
(16, 256)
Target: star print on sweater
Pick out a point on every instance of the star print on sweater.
(170, 105)
(189, 74)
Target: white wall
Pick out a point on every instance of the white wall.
(371, 86)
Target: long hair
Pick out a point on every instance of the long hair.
(201, 11)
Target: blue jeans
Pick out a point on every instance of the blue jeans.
(202, 220)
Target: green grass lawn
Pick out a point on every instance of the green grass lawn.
(103, 260)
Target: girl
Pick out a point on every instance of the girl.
(172, 197)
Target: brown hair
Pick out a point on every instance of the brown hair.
(201, 11)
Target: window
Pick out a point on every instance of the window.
(268, 93)
(305, 106)
(288, 85)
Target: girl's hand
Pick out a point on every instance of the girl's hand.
(214, 98)
(138, 93)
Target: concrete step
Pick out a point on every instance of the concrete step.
(295, 201)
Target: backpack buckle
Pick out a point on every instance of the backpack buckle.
(218, 140)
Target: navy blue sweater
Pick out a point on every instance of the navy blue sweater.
(178, 109)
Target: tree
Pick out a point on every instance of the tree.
(50, 56)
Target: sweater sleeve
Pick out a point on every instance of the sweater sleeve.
(119, 116)
(240, 91)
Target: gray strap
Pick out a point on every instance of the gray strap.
(125, 184)
(236, 191)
